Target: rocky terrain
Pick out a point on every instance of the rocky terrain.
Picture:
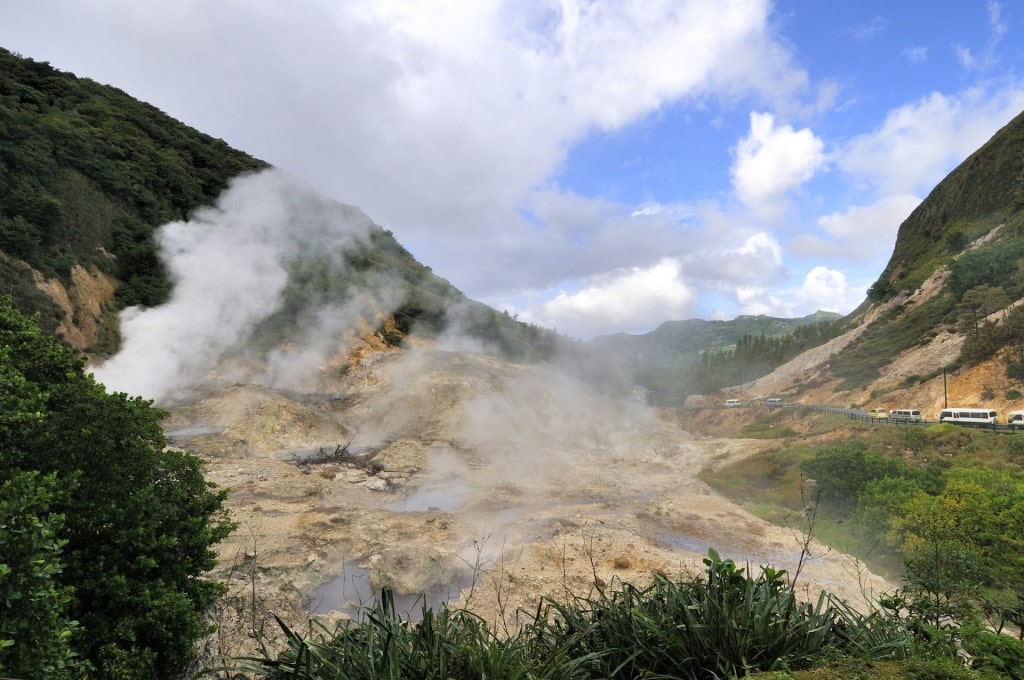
(467, 479)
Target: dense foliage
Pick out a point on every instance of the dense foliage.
(723, 623)
(943, 505)
(937, 507)
(105, 533)
(87, 173)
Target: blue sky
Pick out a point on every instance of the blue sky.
(594, 167)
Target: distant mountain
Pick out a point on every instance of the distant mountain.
(682, 342)
(87, 175)
(944, 323)
(681, 358)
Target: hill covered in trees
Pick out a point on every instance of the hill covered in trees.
(87, 176)
(696, 356)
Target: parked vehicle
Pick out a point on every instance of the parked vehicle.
(977, 417)
(879, 414)
(732, 403)
(1015, 419)
(906, 415)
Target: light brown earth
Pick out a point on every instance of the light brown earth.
(469, 479)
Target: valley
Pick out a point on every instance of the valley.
(471, 480)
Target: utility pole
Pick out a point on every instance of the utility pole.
(945, 398)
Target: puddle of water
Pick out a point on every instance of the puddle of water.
(688, 543)
(352, 593)
(194, 431)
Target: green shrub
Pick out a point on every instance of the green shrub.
(995, 653)
(132, 521)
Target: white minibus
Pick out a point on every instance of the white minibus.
(968, 416)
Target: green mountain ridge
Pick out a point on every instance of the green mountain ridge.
(690, 337)
(87, 175)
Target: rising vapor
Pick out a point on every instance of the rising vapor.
(229, 265)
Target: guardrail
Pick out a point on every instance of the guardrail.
(856, 414)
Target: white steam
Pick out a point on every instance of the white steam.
(229, 267)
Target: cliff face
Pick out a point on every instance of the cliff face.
(88, 318)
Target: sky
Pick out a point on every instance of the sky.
(589, 166)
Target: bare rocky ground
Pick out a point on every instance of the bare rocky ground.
(466, 479)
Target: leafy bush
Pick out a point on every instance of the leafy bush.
(35, 629)
(995, 653)
(724, 623)
(138, 523)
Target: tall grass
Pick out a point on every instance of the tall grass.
(721, 623)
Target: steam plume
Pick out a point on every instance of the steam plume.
(229, 266)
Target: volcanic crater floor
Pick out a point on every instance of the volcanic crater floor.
(457, 477)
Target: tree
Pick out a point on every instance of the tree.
(963, 545)
(842, 473)
(35, 629)
(941, 569)
(139, 521)
(978, 303)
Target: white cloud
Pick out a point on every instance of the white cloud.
(916, 144)
(755, 300)
(988, 58)
(870, 29)
(826, 290)
(917, 54)
(755, 261)
(859, 233)
(772, 160)
(822, 289)
(634, 299)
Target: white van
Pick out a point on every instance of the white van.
(732, 403)
(906, 415)
(773, 402)
(1015, 419)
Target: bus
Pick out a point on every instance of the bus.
(977, 417)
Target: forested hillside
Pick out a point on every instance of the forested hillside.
(87, 174)
(696, 356)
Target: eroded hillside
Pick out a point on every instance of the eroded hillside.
(929, 373)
